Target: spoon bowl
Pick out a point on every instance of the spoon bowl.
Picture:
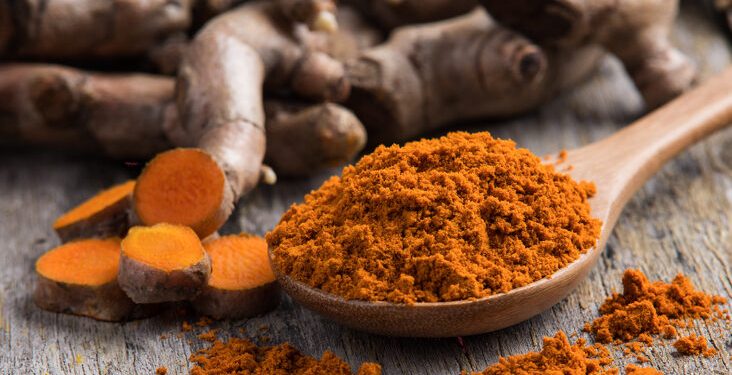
(619, 165)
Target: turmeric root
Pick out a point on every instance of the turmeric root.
(397, 97)
(80, 278)
(131, 116)
(302, 138)
(634, 31)
(103, 215)
(123, 116)
(56, 29)
(219, 100)
(242, 283)
(390, 14)
(162, 263)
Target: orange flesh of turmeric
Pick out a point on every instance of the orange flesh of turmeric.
(165, 247)
(239, 262)
(91, 262)
(182, 186)
(95, 204)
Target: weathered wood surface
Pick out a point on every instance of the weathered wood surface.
(681, 221)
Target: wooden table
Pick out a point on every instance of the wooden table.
(681, 221)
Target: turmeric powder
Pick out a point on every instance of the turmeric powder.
(557, 356)
(651, 308)
(694, 345)
(460, 217)
(240, 356)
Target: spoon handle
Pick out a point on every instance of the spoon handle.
(621, 163)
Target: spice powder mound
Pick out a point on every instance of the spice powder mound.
(647, 307)
(557, 356)
(460, 217)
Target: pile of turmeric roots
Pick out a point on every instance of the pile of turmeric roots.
(218, 94)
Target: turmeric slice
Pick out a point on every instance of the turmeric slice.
(103, 215)
(163, 263)
(242, 283)
(80, 278)
(183, 186)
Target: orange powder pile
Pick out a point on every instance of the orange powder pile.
(694, 345)
(557, 356)
(461, 217)
(239, 356)
(651, 308)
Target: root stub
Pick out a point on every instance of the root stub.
(163, 263)
(80, 278)
(242, 282)
(183, 186)
(104, 215)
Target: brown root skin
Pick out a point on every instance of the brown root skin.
(65, 108)
(288, 52)
(110, 220)
(146, 284)
(397, 99)
(223, 304)
(106, 302)
(635, 31)
(88, 28)
(123, 116)
(302, 138)
(390, 14)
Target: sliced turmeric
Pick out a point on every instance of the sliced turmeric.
(80, 278)
(103, 215)
(242, 283)
(183, 186)
(163, 263)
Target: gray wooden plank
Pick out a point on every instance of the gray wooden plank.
(679, 222)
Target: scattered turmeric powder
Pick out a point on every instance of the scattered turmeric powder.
(240, 356)
(557, 356)
(694, 345)
(650, 308)
(161, 370)
(636, 370)
(460, 217)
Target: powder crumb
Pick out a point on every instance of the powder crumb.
(209, 335)
(79, 359)
(461, 217)
(561, 156)
(637, 370)
(557, 356)
(641, 358)
(650, 308)
(645, 338)
(186, 327)
(161, 370)
(634, 347)
(668, 332)
(242, 356)
(163, 336)
(204, 321)
(694, 345)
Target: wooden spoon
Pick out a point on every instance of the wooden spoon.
(619, 165)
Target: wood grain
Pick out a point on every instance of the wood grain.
(680, 221)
